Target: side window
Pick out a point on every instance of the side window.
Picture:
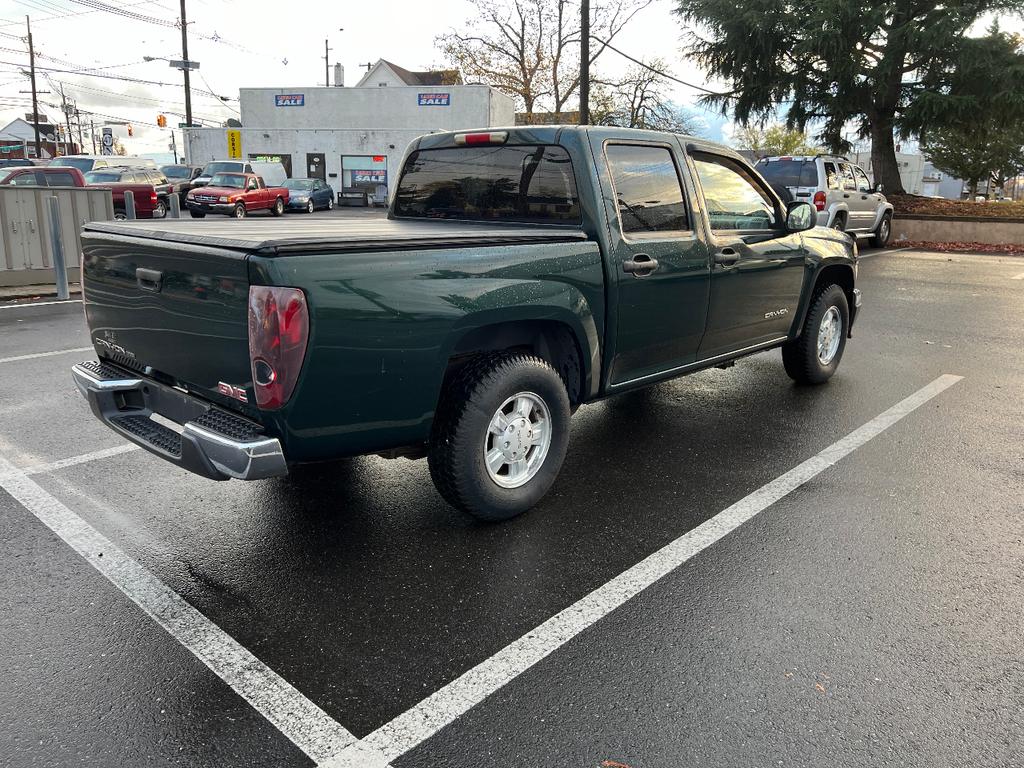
(831, 176)
(59, 179)
(26, 180)
(863, 184)
(647, 188)
(731, 196)
(849, 182)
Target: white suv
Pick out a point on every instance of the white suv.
(838, 189)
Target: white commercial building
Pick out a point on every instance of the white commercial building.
(353, 138)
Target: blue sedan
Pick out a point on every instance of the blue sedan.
(308, 195)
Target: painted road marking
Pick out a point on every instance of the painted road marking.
(308, 727)
(106, 453)
(1018, 277)
(413, 727)
(44, 354)
(41, 303)
(881, 252)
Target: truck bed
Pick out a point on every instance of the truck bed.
(274, 236)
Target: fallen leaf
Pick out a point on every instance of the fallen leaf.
(820, 687)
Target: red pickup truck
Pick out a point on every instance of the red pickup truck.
(236, 194)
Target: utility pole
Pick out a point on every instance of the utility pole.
(184, 56)
(65, 107)
(327, 64)
(174, 147)
(92, 134)
(585, 62)
(78, 120)
(35, 102)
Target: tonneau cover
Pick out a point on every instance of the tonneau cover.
(271, 236)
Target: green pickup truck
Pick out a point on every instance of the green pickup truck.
(519, 274)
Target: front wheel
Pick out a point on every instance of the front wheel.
(881, 237)
(309, 206)
(813, 357)
(330, 203)
(239, 212)
(500, 435)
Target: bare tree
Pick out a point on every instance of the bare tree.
(529, 49)
(638, 101)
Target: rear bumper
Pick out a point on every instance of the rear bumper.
(212, 442)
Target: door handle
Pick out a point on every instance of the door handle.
(726, 257)
(149, 279)
(640, 265)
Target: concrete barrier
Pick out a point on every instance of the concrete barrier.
(958, 229)
(26, 243)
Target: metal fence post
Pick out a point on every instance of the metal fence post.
(175, 206)
(129, 204)
(60, 267)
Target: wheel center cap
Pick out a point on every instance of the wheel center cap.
(516, 440)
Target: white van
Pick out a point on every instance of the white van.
(86, 163)
(273, 174)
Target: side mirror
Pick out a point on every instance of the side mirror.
(878, 187)
(800, 216)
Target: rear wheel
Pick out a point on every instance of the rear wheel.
(814, 356)
(278, 208)
(500, 435)
(120, 215)
(160, 211)
(330, 202)
(239, 212)
(309, 206)
(881, 237)
(839, 222)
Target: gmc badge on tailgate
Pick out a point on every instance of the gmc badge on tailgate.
(238, 393)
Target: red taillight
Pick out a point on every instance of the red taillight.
(278, 332)
(819, 201)
(153, 198)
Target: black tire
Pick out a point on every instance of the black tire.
(278, 208)
(239, 212)
(120, 214)
(800, 355)
(471, 398)
(160, 212)
(197, 214)
(330, 202)
(880, 238)
(839, 222)
(309, 206)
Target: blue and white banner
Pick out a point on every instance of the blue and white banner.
(290, 100)
(434, 99)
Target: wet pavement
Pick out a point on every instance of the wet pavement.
(873, 616)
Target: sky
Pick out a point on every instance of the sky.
(255, 43)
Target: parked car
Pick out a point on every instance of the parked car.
(42, 177)
(309, 195)
(86, 163)
(273, 174)
(840, 191)
(148, 204)
(15, 163)
(123, 175)
(519, 274)
(236, 194)
(182, 177)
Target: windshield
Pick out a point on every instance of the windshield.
(234, 180)
(81, 163)
(789, 173)
(102, 177)
(529, 183)
(301, 184)
(221, 167)
(175, 171)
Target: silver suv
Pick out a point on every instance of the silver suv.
(840, 191)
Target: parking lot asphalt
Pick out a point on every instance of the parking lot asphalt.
(871, 616)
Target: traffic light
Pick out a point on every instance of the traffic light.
(161, 120)
(131, 132)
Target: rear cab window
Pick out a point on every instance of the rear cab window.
(789, 173)
(525, 183)
(648, 190)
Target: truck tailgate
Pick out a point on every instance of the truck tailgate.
(179, 310)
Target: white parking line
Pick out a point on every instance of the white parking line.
(106, 453)
(440, 709)
(1018, 277)
(44, 354)
(308, 727)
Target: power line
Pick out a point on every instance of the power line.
(660, 72)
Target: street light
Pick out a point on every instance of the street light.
(185, 66)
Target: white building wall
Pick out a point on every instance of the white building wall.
(348, 121)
